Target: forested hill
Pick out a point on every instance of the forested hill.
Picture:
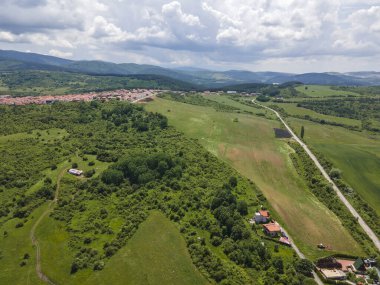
(16, 61)
(134, 164)
(29, 83)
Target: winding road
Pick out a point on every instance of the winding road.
(35, 242)
(352, 210)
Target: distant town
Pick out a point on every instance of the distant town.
(133, 95)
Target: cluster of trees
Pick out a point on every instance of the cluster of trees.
(154, 169)
(363, 109)
(141, 168)
(33, 82)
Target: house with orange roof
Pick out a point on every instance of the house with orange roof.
(261, 217)
(272, 229)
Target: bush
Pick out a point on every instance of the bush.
(99, 265)
(112, 176)
(335, 173)
(74, 165)
(304, 266)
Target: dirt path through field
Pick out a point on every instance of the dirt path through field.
(35, 242)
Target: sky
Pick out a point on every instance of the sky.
(258, 35)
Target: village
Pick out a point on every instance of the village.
(331, 269)
(122, 95)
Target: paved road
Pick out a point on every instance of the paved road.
(302, 256)
(362, 223)
(35, 242)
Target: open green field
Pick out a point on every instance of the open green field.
(291, 108)
(323, 91)
(149, 257)
(357, 154)
(249, 145)
(13, 247)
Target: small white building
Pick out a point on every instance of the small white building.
(231, 92)
(75, 172)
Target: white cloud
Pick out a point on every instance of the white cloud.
(7, 36)
(216, 32)
(174, 10)
(58, 53)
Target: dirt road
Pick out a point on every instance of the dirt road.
(35, 242)
(362, 223)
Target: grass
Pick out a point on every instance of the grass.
(227, 101)
(156, 254)
(323, 91)
(250, 147)
(291, 108)
(46, 135)
(357, 154)
(12, 250)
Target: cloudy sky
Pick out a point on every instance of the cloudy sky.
(278, 35)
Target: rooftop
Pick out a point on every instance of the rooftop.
(272, 227)
(346, 264)
(264, 213)
(333, 273)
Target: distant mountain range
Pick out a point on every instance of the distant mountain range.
(17, 61)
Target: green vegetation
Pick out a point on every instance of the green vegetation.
(297, 110)
(196, 99)
(138, 165)
(150, 257)
(324, 91)
(356, 155)
(364, 109)
(30, 83)
(325, 193)
(250, 147)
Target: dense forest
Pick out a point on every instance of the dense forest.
(149, 166)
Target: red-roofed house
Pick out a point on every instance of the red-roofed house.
(272, 229)
(262, 216)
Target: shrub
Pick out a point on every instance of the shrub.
(112, 176)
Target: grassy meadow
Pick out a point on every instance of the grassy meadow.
(247, 142)
(156, 254)
(291, 108)
(323, 91)
(357, 154)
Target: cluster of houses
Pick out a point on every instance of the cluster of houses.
(270, 227)
(333, 268)
(121, 94)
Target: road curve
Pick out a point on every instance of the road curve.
(362, 223)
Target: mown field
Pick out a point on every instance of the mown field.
(247, 142)
(357, 154)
